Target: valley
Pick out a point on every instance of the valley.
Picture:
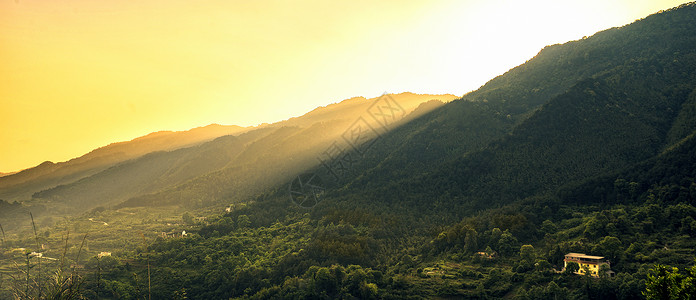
(585, 149)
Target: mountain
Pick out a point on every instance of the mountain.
(21, 185)
(289, 148)
(587, 107)
(6, 174)
(669, 177)
(586, 148)
(572, 112)
(183, 167)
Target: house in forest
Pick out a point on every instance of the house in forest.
(173, 234)
(487, 255)
(588, 263)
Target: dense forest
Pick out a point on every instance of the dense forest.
(586, 148)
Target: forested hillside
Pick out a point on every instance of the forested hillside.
(612, 100)
(586, 148)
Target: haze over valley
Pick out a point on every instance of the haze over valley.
(567, 175)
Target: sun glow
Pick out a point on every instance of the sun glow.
(78, 74)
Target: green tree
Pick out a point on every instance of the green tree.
(507, 244)
(471, 240)
(325, 282)
(687, 287)
(495, 235)
(243, 221)
(527, 254)
(661, 283)
(488, 251)
(542, 265)
(368, 291)
(553, 291)
(604, 270)
(187, 218)
(593, 228)
(548, 227)
(571, 267)
(667, 283)
(610, 247)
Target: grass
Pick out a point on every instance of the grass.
(34, 277)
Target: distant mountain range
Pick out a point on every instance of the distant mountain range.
(573, 112)
(21, 184)
(587, 107)
(214, 160)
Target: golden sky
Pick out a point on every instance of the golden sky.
(79, 74)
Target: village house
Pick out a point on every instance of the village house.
(485, 255)
(173, 234)
(590, 262)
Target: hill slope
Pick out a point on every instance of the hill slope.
(588, 148)
(21, 185)
(201, 174)
(605, 109)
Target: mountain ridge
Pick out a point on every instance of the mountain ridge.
(586, 148)
(19, 186)
(175, 161)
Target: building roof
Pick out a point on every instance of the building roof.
(584, 256)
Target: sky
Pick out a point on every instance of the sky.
(76, 75)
